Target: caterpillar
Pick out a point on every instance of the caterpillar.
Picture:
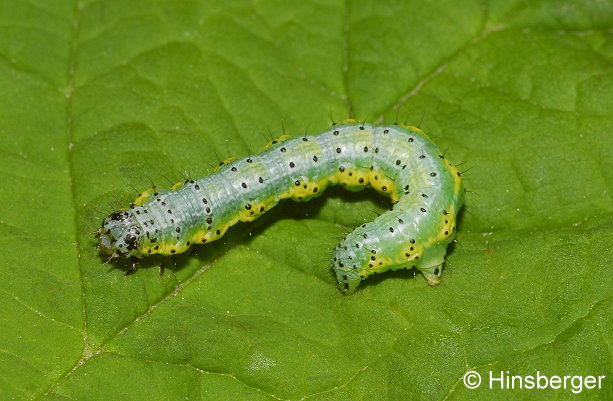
(396, 160)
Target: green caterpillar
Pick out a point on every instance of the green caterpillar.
(396, 160)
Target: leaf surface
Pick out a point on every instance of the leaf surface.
(100, 95)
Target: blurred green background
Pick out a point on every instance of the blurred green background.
(100, 95)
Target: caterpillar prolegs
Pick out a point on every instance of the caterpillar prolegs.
(396, 160)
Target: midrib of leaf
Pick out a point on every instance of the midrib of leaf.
(70, 72)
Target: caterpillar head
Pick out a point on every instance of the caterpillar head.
(120, 235)
(347, 276)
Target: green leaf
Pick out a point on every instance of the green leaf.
(100, 95)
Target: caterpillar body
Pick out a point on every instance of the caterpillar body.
(396, 160)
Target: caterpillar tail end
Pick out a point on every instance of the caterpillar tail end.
(431, 265)
(348, 282)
